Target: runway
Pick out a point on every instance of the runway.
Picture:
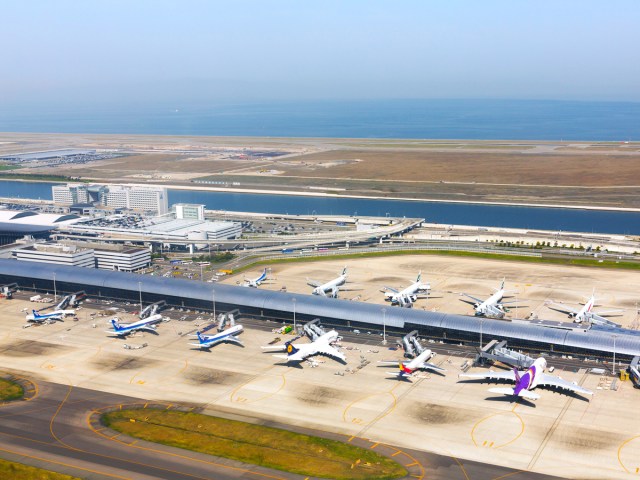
(53, 430)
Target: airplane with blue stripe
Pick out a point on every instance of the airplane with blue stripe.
(124, 329)
(255, 283)
(205, 342)
(35, 317)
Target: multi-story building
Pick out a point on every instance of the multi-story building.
(145, 199)
(189, 211)
(127, 259)
(56, 253)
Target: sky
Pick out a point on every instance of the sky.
(86, 52)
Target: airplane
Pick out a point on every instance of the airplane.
(491, 307)
(147, 324)
(321, 346)
(255, 283)
(406, 297)
(408, 369)
(35, 317)
(229, 335)
(524, 383)
(586, 313)
(330, 288)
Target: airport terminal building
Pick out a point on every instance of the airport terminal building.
(595, 342)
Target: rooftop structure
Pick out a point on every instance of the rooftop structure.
(15, 224)
(596, 341)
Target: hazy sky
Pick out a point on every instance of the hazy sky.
(150, 50)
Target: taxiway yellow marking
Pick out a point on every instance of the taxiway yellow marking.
(621, 447)
(374, 446)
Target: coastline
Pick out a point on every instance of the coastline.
(298, 193)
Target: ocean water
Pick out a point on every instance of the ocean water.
(538, 218)
(428, 119)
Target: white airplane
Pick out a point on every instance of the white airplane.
(124, 329)
(298, 353)
(57, 315)
(491, 307)
(255, 283)
(527, 381)
(408, 369)
(331, 288)
(586, 313)
(229, 335)
(406, 297)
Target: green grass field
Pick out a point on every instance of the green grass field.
(18, 471)
(10, 390)
(254, 444)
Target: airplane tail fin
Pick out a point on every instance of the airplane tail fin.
(517, 374)
(291, 349)
(116, 325)
(344, 271)
(419, 279)
(502, 284)
(200, 337)
(35, 314)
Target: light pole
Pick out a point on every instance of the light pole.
(213, 300)
(613, 368)
(295, 330)
(140, 293)
(201, 272)
(481, 323)
(384, 326)
(55, 291)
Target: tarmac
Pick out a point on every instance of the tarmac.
(534, 286)
(442, 428)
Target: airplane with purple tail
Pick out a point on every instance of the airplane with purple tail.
(527, 381)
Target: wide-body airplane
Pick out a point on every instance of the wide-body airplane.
(255, 283)
(492, 306)
(56, 315)
(321, 346)
(331, 288)
(528, 380)
(408, 369)
(146, 325)
(229, 335)
(586, 313)
(406, 297)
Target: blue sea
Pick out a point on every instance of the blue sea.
(537, 218)
(420, 119)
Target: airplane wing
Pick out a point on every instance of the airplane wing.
(553, 381)
(313, 283)
(235, 340)
(274, 348)
(331, 352)
(148, 328)
(529, 395)
(561, 308)
(598, 320)
(472, 298)
(491, 375)
(389, 363)
(609, 313)
(389, 289)
(430, 366)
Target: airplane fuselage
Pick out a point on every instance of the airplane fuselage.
(330, 286)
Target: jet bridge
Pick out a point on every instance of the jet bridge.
(152, 309)
(227, 319)
(313, 330)
(71, 300)
(411, 344)
(634, 371)
(498, 352)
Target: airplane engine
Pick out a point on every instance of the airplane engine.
(334, 292)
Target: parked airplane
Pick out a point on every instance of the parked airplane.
(492, 306)
(35, 317)
(321, 346)
(586, 313)
(527, 381)
(255, 283)
(330, 288)
(229, 335)
(406, 297)
(408, 369)
(146, 324)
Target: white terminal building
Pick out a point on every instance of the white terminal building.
(105, 257)
(139, 198)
